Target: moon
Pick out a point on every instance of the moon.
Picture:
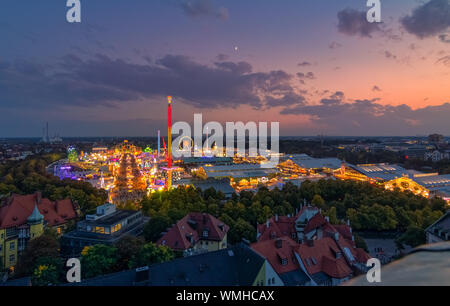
(236, 48)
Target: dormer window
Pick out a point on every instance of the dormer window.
(205, 233)
(284, 261)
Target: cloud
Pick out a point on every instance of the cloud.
(389, 54)
(103, 81)
(354, 23)
(429, 19)
(444, 60)
(304, 64)
(368, 117)
(305, 76)
(334, 45)
(289, 99)
(376, 88)
(199, 8)
(222, 57)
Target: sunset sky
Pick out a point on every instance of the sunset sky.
(317, 67)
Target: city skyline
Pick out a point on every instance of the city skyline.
(317, 68)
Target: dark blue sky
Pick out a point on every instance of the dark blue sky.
(315, 66)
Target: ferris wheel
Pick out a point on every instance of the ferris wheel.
(185, 143)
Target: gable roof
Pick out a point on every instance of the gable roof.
(275, 255)
(279, 226)
(333, 254)
(189, 230)
(18, 208)
(321, 257)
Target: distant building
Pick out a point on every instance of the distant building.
(238, 171)
(376, 172)
(24, 217)
(440, 230)
(424, 184)
(435, 138)
(107, 226)
(306, 250)
(223, 185)
(309, 163)
(196, 233)
(235, 266)
(416, 151)
(204, 160)
(436, 155)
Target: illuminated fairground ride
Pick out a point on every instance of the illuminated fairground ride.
(185, 143)
(129, 183)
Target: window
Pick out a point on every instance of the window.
(58, 230)
(12, 258)
(284, 262)
(205, 233)
(12, 246)
(273, 280)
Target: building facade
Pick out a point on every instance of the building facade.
(24, 217)
(107, 226)
(306, 250)
(196, 233)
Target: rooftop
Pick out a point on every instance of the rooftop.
(236, 266)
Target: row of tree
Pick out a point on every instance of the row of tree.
(368, 207)
(30, 175)
(41, 258)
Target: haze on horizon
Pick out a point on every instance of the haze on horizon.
(317, 67)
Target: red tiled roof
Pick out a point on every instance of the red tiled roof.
(177, 237)
(323, 253)
(344, 230)
(274, 255)
(361, 255)
(18, 208)
(319, 256)
(285, 226)
(336, 268)
(315, 222)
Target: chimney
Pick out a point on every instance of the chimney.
(38, 197)
(327, 218)
(296, 211)
(348, 222)
(279, 243)
(276, 217)
(267, 224)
